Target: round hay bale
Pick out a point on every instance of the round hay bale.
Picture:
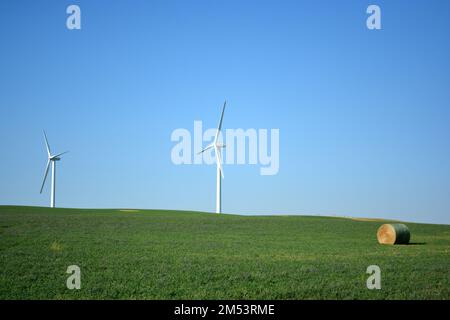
(396, 233)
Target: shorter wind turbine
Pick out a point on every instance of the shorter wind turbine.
(52, 160)
(217, 146)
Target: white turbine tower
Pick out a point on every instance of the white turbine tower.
(217, 146)
(52, 160)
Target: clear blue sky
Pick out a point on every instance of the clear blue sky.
(364, 116)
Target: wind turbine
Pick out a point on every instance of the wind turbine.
(52, 160)
(217, 146)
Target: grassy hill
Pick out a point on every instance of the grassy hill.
(189, 255)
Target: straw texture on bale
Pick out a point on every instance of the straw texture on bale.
(396, 233)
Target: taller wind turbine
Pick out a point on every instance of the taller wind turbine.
(217, 146)
(52, 160)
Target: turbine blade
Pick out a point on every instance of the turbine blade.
(46, 144)
(206, 149)
(45, 175)
(219, 161)
(219, 127)
(60, 154)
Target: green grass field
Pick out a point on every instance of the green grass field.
(189, 255)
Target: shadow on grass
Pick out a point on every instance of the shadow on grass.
(411, 244)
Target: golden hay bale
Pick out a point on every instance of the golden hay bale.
(396, 233)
